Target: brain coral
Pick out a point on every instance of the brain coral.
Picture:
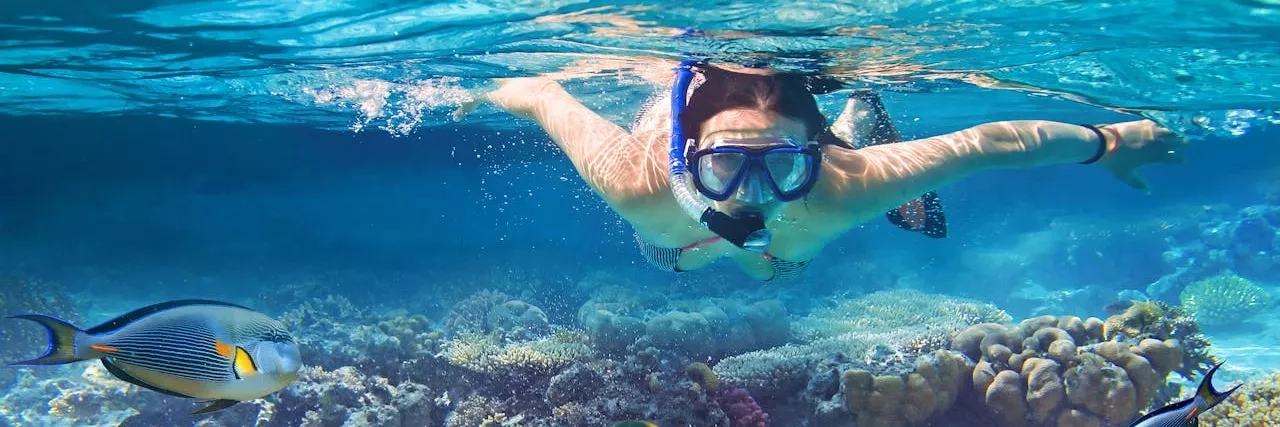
(1224, 299)
(1050, 371)
(910, 399)
(1159, 321)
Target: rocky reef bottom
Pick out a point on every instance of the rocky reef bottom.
(890, 359)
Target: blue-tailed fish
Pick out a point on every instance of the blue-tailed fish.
(217, 352)
(1186, 412)
(634, 423)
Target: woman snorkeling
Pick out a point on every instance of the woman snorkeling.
(743, 165)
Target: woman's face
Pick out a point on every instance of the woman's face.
(754, 195)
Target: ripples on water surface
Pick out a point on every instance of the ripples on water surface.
(1195, 65)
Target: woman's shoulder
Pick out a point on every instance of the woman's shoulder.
(654, 114)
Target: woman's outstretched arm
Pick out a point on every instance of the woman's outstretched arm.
(883, 176)
(613, 162)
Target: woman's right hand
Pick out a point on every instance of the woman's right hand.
(516, 95)
(1137, 144)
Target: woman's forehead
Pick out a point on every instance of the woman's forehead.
(748, 123)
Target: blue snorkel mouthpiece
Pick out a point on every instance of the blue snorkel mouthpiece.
(744, 231)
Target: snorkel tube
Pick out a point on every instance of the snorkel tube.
(747, 231)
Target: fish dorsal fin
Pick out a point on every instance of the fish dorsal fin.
(121, 374)
(133, 316)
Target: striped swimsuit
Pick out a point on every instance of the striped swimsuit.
(665, 258)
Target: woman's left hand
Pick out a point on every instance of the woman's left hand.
(1137, 144)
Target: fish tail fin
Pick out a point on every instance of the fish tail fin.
(62, 341)
(1211, 396)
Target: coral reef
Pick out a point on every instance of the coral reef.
(894, 309)
(345, 397)
(1159, 321)
(703, 375)
(1243, 241)
(517, 320)
(1224, 299)
(92, 398)
(319, 398)
(340, 343)
(895, 358)
(516, 361)
(333, 332)
(892, 337)
(742, 409)
(1254, 404)
(471, 315)
(1050, 371)
(906, 399)
(619, 321)
(572, 384)
(594, 393)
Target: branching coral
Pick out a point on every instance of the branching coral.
(1224, 299)
(488, 355)
(1254, 404)
(898, 309)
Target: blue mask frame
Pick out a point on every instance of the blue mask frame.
(755, 164)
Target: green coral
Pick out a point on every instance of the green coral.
(1252, 405)
(1224, 299)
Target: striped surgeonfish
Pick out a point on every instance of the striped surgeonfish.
(217, 352)
(1186, 413)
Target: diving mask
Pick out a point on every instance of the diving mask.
(745, 168)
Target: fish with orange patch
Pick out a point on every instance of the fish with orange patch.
(214, 351)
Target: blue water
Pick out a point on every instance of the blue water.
(155, 150)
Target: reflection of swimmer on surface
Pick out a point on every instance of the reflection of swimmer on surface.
(742, 163)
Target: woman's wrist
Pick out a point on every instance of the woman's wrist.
(1108, 141)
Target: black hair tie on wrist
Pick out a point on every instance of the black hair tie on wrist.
(1102, 145)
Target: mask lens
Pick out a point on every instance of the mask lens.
(717, 170)
(789, 171)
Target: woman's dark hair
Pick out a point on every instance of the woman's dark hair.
(789, 95)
